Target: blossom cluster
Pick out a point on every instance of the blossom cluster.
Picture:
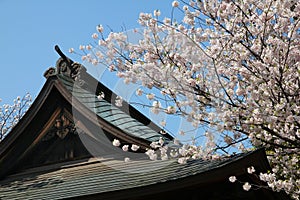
(229, 67)
(11, 114)
(125, 147)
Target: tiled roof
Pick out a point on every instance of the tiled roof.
(110, 113)
(96, 177)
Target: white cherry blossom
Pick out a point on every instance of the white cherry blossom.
(232, 179)
(11, 114)
(125, 147)
(246, 186)
(134, 147)
(116, 142)
(231, 68)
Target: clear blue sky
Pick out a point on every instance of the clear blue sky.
(30, 29)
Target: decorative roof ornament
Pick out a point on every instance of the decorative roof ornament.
(62, 126)
(50, 72)
(66, 67)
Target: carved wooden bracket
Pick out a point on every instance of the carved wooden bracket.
(62, 126)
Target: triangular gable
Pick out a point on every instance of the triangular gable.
(38, 134)
(58, 141)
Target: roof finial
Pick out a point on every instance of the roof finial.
(62, 55)
(68, 67)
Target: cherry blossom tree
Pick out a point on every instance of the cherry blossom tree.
(11, 114)
(229, 67)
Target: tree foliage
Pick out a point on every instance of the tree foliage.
(230, 67)
(11, 114)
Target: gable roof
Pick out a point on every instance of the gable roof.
(109, 112)
(69, 87)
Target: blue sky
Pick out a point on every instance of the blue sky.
(30, 29)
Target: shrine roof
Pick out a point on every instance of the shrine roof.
(86, 88)
(110, 113)
(117, 178)
(69, 88)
